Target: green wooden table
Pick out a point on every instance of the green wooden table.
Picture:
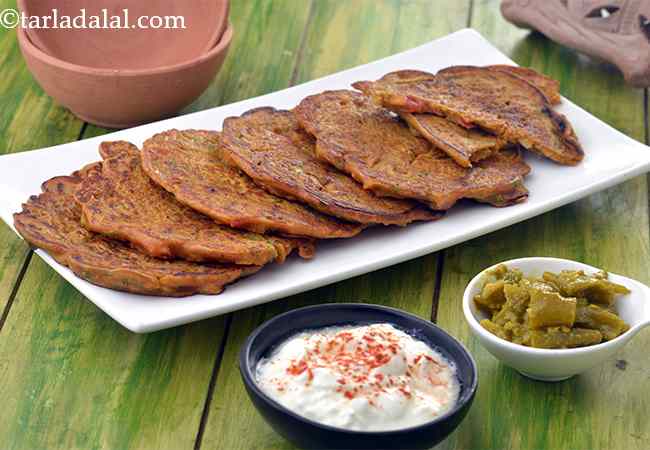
(70, 377)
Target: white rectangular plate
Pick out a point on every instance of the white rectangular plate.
(611, 158)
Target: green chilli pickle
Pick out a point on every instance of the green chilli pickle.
(560, 310)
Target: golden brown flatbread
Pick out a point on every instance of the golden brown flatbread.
(52, 221)
(547, 85)
(122, 202)
(190, 164)
(494, 100)
(379, 151)
(465, 146)
(273, 150)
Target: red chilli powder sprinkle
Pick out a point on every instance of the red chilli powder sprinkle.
(354, 362)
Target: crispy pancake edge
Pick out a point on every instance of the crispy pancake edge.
(326, 203)
(455, 150)
(331, 227)
(548, 86)
(329, 149)
(107, 186)
(176, 283)
(571, 155)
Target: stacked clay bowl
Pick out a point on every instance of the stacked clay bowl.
(119, 78)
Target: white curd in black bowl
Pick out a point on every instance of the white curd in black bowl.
(365, 378)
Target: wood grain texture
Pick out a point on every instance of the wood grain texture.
(341, 35)
(606, 406)
(28, 119)
(354, 33)
(72, 378)
(263, 53)
(14, 253)
(77, 379)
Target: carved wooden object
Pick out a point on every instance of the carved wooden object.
(617, 31)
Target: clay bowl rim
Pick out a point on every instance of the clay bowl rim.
(39, 54)
(224, 24)
(215, 39)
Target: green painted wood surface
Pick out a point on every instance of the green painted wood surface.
(136, 391)
(605, 407)
(28, 119)
(263, 53)
(73, 378)
(333, 42)
(13, 256)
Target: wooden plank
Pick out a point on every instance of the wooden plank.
(75, 378)
(13, 256)
(354, 33)
(605, 407)
(263, 53)
(341, 35)
(28, 119)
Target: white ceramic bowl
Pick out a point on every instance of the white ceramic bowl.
(556, 365)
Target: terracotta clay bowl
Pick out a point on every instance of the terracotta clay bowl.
(131, 48)
(123, 98)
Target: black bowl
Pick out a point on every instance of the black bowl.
(306, 433)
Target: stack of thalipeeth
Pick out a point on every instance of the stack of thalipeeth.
(195, 210)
